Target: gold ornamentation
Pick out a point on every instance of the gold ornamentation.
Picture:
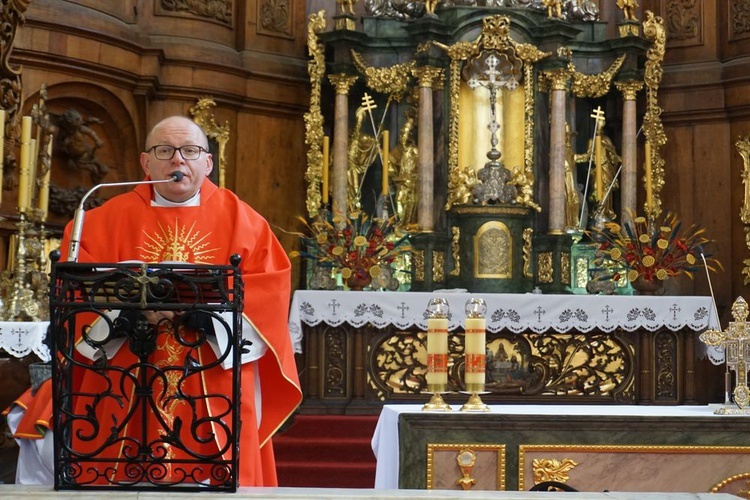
(565, 268)
(736, 343)
(177, 243)
(628, 29)
(455, 250)
(316, 68)
(342, 82)
(629, 89)
(438, 266)
(200, 113)
(527, 234)
(628, 9)
(466, 459)
(394, 81)
(597, 85)
(549, 469)
(493, 251)
(495, 36)
(418, 265)
(743, 147)
(653, 29)
(570, 364)
(544, 267)
(427, 76)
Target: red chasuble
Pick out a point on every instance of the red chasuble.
(128, 228)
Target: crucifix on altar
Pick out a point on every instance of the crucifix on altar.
(736, 343)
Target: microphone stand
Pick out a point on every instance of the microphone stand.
(75, 234)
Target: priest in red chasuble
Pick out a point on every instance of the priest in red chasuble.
(192, 220)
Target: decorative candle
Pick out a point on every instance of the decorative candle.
(476, 345)
(386, 152)
(326, 149)
(437, 343)
(44, 188)
(598, 172)
(23, 164)
(649, 187)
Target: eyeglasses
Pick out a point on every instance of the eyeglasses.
(165, 152)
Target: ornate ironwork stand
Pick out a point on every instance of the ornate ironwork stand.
(148, 420)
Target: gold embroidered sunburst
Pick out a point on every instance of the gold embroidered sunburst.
(177, 243)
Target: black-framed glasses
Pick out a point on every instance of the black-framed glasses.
(166, 152)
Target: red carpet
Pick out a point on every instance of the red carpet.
(326, 451)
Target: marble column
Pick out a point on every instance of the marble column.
(425, 147)
(558, 94)
(628, 177)
(343, 84)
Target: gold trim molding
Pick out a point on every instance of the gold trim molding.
(316, 68)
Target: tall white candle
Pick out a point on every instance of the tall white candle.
(437, 351)
(44, 187)
(475, 351)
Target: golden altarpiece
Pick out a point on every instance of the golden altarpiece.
(494, 137)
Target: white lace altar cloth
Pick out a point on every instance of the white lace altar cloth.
(514, 312)
(21, 338)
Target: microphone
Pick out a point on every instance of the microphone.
(75, 233)
(727, 373)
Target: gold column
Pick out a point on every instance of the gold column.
(628, 178)
(343, 84)
(427, 76)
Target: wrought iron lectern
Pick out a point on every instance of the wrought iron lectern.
(132, 406)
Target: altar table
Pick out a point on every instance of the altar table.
(615, 447)
(364, 349)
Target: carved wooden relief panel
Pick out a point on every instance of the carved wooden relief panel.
(684, 21)
(276, 18)
(739, 19)
(219, 11)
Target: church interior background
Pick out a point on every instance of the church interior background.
(479, 147)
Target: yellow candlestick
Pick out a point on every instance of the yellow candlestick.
(475, 351)
(23, 164)
(437, 351)
(386, 145)
(44, 187)
(326, 149)
(649, 187)
(598, 171)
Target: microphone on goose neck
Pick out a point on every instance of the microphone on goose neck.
(727, 374)
(75, 233)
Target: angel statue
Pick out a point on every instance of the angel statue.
(628, 9)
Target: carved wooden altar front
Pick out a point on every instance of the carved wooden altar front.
(357, 369)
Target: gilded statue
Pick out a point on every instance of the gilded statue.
(346, 6)
(361, 154)
(403, 171)
(628, 9)
(610, 161)
(554, 8)
(572, 194)
(80, 142)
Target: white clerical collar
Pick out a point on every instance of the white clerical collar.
(160, 201)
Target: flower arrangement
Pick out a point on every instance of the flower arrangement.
(650, 252)
(359, 246)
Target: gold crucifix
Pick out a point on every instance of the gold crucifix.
(736, 343)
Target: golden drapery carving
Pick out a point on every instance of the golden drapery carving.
(201, 114)
(743, 147)
(316, 69)
(653, 29)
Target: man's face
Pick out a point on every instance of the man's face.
(177, 132)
